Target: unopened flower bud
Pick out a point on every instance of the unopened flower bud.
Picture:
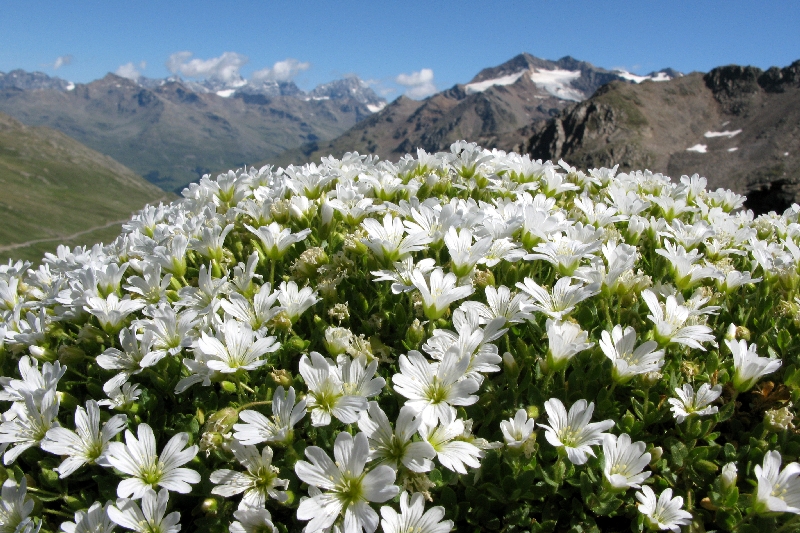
(42, 354)
(415, 334)
(222, 421)
(509, 363)
(778, 420)
(730, 333)
(309, 262)
(282, 377)
(742, 333)
(281, 322)
(655, 454)
(66, 400)
(532, 411)
(70, 354)
(651, 378)
(338, 340)
(484, 278)
(228, 386)
(210, 506)
(729, 476)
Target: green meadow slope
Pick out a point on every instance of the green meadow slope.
(54, 190)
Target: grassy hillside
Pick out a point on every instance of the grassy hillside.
(56, 190)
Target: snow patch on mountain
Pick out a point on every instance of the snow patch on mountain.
(729, 134)
(655, 76)
(558, 83)
(376, 108)
(699, 148)
(479, 87)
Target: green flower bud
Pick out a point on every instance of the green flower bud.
(228, 386)
(210, 506)
(282, 377)
(655, 454)
(533, 411)
(68, 355)
(222, 421)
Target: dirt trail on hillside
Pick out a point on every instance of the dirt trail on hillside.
(61, 237)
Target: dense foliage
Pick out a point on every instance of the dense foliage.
(468, 340)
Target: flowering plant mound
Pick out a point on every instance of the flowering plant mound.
(468, 340)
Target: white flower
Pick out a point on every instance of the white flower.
(34, 382)
(413, 518)
(242, 348)
(138, 458)
(563, 252)
(664, 512)
(690, 403)
(130, 360)
(259, 312)
(150, 518)
(464, 255)
(451, 452)
(563, 300)
(349, 488)
(15, 505)
(624, 461)
(565, 340)
(501, 304)
(88, 445)
(111, 311)
(326, 394)
(401, 275)
(358, 377)
(439, 291)
(572, 431)
(171, 332)
(517, 432)
(252, 521)
(669, 322)
(30, 425)
(389, 241)
(259, 483)
(285, 415)
(295, 302)
(276, 240)
(433, 388)
(749, 366)
(94, 520)
(394, 446)
(629, 362)
(778, 490)
(121, 397)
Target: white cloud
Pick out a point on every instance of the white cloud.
(225, 67)
(131, 71)
(62, 61)
(418, 84)
(281, 71)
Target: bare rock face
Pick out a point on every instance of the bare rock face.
(737, 126)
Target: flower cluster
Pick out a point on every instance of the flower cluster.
(362, 344)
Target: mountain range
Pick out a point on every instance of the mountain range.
(499, 108)
(173, 131)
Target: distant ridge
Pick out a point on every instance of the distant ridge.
(56, 190)
(172, 131)
(739, 127)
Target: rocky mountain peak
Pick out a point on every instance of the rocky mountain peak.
(31, 81)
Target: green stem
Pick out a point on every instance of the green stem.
(253, 404)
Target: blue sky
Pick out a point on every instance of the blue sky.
(433, 44)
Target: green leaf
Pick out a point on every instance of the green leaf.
(679, 453)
